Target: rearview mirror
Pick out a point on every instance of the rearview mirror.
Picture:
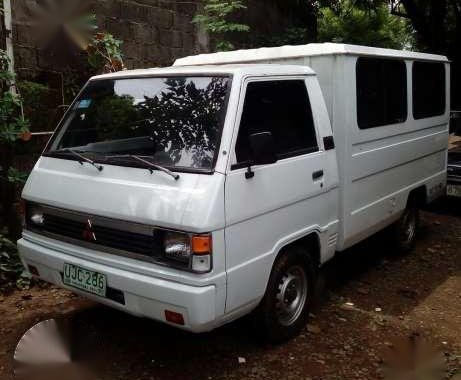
(262, 147)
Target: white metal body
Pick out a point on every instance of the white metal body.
(378, 167)
(365, 186)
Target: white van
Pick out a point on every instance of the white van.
(199, 193)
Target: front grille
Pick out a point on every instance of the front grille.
(120, 237)
(112, 235)
(108, 237)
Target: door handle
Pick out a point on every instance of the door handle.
(317, 175)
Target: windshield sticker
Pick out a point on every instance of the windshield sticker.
(85, 103)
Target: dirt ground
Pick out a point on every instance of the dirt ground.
(373, 307)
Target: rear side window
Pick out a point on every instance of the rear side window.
(429, 96)
(282, 108)
(381, 92)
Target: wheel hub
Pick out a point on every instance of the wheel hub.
(292, 295)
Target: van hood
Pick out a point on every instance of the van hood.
(194, 203)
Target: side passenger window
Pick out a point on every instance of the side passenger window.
(381, 92)
(429, 97)
(281, 107)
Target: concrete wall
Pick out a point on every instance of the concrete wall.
(154, 33)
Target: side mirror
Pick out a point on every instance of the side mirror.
(262, 147)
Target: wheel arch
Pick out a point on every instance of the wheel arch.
(310, 242)
(417, 197)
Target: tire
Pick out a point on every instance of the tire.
(284, 309)
(404, 231)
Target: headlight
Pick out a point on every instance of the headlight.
(34, 215)
(193, 251)
(177, 246)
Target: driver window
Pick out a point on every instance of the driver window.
(281, 107)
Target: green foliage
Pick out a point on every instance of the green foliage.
(12, 124)
(34, 97)
(13, 128)
(12, 272)
(86, 24)
(103, 49)
(291, 36)
(71, 86)
(216, 20)
(174, 106)
(105, 53)
(32, 92)
(6, 77)
(112, 115)
(347, 22)
(16, 176)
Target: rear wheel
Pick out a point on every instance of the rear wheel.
(284, 310)
(404, 231)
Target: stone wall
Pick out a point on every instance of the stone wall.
(154, 32)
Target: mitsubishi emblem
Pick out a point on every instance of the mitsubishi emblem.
(88, 233)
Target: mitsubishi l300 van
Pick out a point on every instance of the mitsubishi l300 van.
(199, 193)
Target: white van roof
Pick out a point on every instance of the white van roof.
(287, 52)
(251, 69)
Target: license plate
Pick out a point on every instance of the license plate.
(454, 190)
(84, 279)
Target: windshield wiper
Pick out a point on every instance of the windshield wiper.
(150, 164)
(82, 159)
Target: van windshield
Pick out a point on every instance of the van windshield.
(175, 122)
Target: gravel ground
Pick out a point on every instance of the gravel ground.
(375, 310)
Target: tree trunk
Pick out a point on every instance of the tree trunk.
(438, 12)
(429, 23)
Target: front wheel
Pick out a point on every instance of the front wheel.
(284, 310)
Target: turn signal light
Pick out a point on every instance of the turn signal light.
(201, 245)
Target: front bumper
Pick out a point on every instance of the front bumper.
(132, 292)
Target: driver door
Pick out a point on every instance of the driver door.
(282, 200)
